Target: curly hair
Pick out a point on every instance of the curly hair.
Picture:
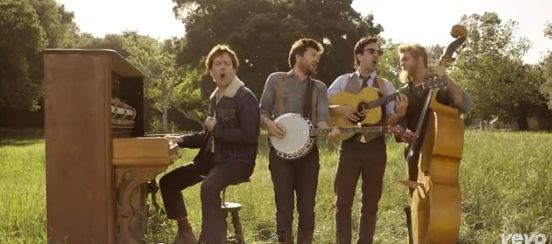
(300, 47)
(219, 50)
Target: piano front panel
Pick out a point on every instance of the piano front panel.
(79, 175)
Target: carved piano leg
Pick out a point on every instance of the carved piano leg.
(130, 219)
(153, 188)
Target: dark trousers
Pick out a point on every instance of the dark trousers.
(365, 160)
(213, 226)
(175, 181)
(294, 177)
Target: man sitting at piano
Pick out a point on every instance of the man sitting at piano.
(228, 147)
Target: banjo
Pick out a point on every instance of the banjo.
(299, 137)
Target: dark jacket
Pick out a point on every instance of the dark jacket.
(196, 140)
(237, 129)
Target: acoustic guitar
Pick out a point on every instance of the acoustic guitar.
(368, 103)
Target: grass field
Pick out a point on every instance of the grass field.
(505, 183)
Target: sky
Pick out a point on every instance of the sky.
(426, 22)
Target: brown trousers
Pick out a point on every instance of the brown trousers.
(366, 160)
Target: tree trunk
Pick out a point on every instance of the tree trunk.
(481, 124)
(165, 119)
(199, 122)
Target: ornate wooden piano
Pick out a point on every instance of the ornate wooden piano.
(97, 158)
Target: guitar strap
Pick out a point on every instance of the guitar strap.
(308, 102)
(212, 113)
(280, 106)
(381, 85)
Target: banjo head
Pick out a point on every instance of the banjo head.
(296, 141)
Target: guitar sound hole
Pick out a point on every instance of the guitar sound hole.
(361, 107)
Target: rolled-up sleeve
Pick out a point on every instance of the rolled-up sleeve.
(466, 105)
(322, 110)
(390, 106)
(445, 95)
(267, 98)
(338, 85)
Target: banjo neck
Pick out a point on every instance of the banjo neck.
(352, 130)
(299, 139)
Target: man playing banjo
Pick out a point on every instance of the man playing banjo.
(362, 156)
(295, 92)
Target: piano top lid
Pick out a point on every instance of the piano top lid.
(119, 64)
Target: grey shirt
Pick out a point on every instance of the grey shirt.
(293, 96)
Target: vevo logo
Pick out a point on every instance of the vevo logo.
(523, 238)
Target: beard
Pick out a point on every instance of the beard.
(408, 73)
(309, 69)
(404, 77)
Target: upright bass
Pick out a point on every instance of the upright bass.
(436, 149)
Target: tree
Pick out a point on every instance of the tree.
(389, 63)
(434, 53)
(26, 28)
(548, 30)
(109, 41)
(166, 85)
(546, 64)
(262, 31)
(491, 69)
(22, 39)
(60, 29)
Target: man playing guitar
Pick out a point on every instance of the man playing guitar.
(362, 156)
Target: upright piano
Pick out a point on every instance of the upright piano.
(98, 159)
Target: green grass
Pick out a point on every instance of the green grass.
(505, 184)
(22, 198)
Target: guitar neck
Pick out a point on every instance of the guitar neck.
(382, 100)
(405, 90)
(369, 129)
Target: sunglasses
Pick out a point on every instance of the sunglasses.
(374, 51)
